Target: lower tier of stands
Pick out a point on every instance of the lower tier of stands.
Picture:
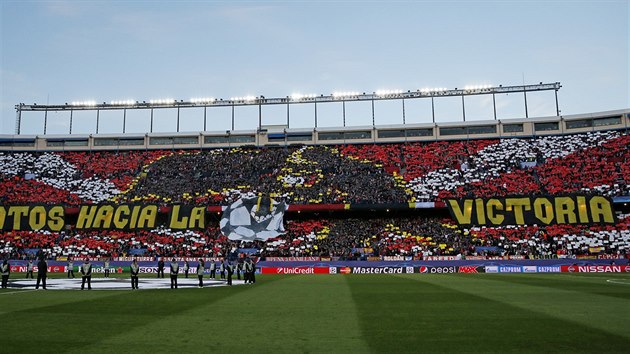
(345, 238)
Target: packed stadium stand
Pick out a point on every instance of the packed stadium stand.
(376, 176)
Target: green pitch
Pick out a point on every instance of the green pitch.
(483, 313)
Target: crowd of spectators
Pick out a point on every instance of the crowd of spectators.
(297, 175)
(515, 166)
(556, 240)
(346, 238)
(590, 163)
(595, 162)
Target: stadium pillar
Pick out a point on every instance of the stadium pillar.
(288, 121)
(343, 103)
(18, 121)
(178, 119)
(557, 108)
(46, 121)
(70, 131)
(124, 120)
(151, 129)
(494, 106)
(432, 109)
(525, 96)
(315, 114)
(98, 114)
(373, 121)
(259, 115)
(403, 110)
(204, 118)
(232, 116)
(463, 109)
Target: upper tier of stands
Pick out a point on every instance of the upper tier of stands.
(590, 163)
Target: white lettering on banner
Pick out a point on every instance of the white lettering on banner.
(289, 270)
(492, 269)
(516, 257)
(292, 259)
(192, 269)
(440, 258)
(381, 270)
(397, 258)
(441, 270)
(549, 269)
(600, 269)
(152, 259)
(610, 256)
(503, 269)
(130, 259)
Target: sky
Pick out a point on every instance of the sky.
(63, 51)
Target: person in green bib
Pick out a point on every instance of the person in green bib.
(200, 269)
(6, 270)
(174, 272)
(86, 274)
(135, 270)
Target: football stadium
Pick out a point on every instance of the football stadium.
(289, 234)
(385, 239)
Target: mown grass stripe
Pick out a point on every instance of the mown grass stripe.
(85, 317)
(586, 308)
(595, 285)
(296, 314)
(422, 313)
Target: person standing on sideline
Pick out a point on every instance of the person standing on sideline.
(238, 269)
(200, 269)
(222, 269)
(70, 268)
(252, 277)
(42, 270)
(174, 271)
(230, 271)
(160, 267)
(186, 268)
(247, 272)
(213, 269)
(29, 269)
(5, 269)
(135, 270)
(106, 266)
(86, 274)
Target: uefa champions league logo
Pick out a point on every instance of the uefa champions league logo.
(262, 212)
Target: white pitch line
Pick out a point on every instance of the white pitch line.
(123, 284)
(19, 292)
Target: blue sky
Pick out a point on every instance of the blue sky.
(64, 51)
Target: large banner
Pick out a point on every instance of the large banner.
(32, 217)
(139, 217)
(596, 269)
(124, 217)
(295, 270)
(253, 218)
(545, 210)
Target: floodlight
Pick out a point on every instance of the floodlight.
(162, 101)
